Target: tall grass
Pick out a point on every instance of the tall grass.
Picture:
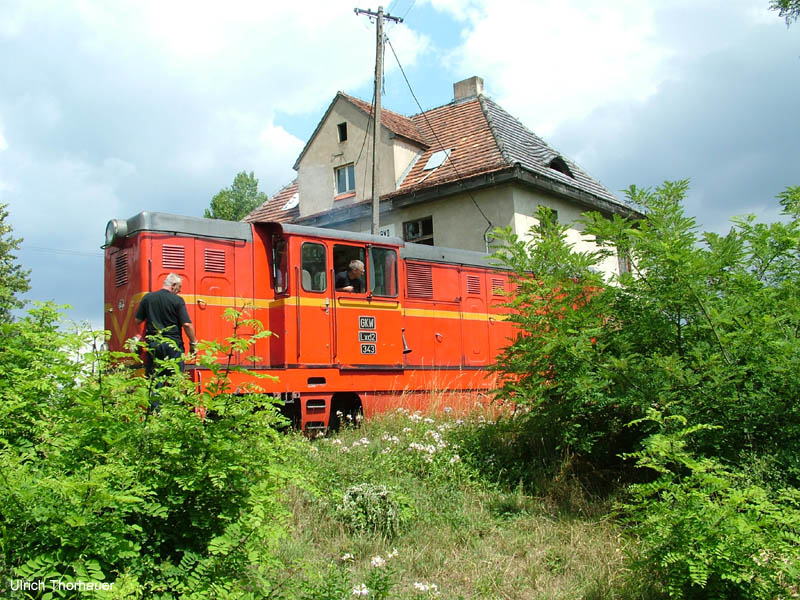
(460, 530)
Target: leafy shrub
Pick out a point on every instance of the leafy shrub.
(704, 326)
(708, 531)
(370, 507)
(95, 488)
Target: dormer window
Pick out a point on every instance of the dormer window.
(560, 165)
(342, 128)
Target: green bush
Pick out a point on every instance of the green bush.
(706, 530)
(704, 325)
(94, 487)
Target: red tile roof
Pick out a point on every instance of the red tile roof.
(461, 128)
(482, 138)
(274, 208)
(394, 122)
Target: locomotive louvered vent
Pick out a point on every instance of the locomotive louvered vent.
(474, 285)
(497, 287)
(121, 269)
(173, 257)
(215, 261)
(420, 281)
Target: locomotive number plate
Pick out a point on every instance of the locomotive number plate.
(367, 336)
(366, 322)
(368, 349)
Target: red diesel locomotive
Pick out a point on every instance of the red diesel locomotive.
(427, 325)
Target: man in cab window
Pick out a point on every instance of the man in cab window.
(351, 280)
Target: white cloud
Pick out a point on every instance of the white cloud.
(551, 61)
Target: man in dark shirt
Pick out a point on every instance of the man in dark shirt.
(351, 280)
(165, 313)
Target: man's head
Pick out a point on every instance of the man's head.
(173, 283)
(355, 269)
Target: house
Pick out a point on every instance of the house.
(447, 176)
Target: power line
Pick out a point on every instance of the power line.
(363, 143)
(438, 141)
(413, 2)
(63, 251)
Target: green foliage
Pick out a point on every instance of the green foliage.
(95, 488)
(236, 202)
(14, 280)
(705, 529)
(788, 9)
(370, 507)
(708, 326)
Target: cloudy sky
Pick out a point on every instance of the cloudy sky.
(111, 108)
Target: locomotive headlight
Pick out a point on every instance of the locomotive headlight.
(115, 229)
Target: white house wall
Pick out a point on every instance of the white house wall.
(526, 204)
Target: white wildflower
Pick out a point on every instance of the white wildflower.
(361, 590)
(337, 441)
(347, 556)
(448, 410)
(378, 562)
(428, 420)
(406, 429)
(365, 441)
(454, 459)
(344, 449)
(393, 553)
(386, 450)
(430, 588)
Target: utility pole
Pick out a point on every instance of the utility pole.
(379, 17)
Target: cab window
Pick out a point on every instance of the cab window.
(280, 270)
(383, 272)
(348, 279)
(313, 275)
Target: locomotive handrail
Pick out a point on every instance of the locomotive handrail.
(297, 307)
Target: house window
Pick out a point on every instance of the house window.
(419, 231)
(342, 127)
(624, 263)
(345, 179)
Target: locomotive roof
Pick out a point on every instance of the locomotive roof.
(407, 249)
(169, 223)
(217, 228)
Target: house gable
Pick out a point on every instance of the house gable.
(456, 171)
